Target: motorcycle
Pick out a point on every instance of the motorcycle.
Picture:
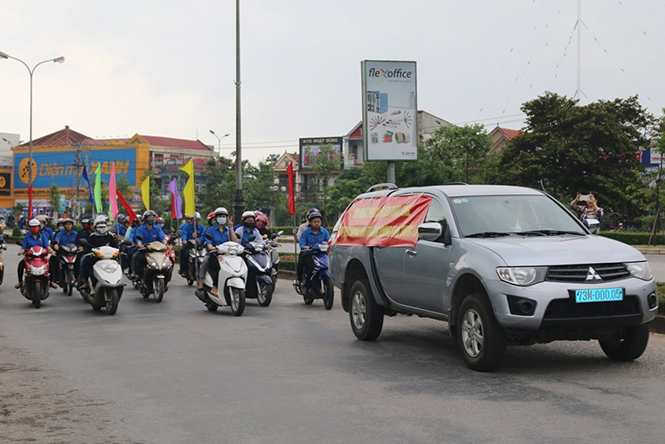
(157, 272)
(170, 251)
(319, 285)
(231, 279)
(106, 278)
(66, 261)
(257, 257)
(274, 257)
(195, 257)
(35, 285)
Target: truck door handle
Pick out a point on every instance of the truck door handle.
(412, 252)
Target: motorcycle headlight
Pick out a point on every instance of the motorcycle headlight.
(152, 263)
(522, 276)
(640, 270)
(37, 271)
(166, 262)
(111, 267)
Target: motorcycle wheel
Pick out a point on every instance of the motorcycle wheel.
(111, 301)
(237, 301)
(69, 277)
(328, 293)
(189, 282)
(37, 294)
(158, 289)
(308, 300)
(2, 274)
(264, 295)
(212, 307)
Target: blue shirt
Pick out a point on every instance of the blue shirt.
(310, 239)
(29, 241)
(243, 235)
(182, 227)
(219, 237)
(120, 229)
(149, 234)
(65, 239)
(188, 231)
(49, 233)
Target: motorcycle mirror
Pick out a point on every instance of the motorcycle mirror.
(209, 236)
(126, 242)
(83, 242)
(139, 237)
(251, 238)
(279, 233)
(19, 243)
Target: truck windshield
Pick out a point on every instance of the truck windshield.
(490, 216)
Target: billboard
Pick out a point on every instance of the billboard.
(390, 110)
(59, 167)
(310, 148)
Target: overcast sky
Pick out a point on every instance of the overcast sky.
(167, 67)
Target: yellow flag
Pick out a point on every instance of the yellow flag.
(145, 192)
(188, 192)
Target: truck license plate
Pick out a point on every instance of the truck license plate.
(599, 295)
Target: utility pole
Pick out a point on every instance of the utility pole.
(239, 206)
(578, 25)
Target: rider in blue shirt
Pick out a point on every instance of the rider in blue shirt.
(187, 231)
(34, 238)
(181, 228)
(149, 232)
(119, 227)
(248, 228)
(64, 237)
(220, 233)
(314, 235)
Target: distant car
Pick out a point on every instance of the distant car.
(501, 264)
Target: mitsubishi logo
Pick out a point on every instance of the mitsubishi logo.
(592, 275)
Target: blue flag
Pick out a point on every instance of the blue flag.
(85, 176)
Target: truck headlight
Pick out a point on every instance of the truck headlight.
(521, 276)
(640, 270)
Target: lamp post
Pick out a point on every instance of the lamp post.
(31, 72)
(239, 205)
(219, 141)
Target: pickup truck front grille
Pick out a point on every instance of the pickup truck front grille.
(579, 273)
(568, 309)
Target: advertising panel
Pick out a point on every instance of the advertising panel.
(310, 148)
(384, 221)
(390, 110)
(59, 167)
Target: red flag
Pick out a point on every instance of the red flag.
(292, 197)
(173, 216)
(125, 204)
(30, 201)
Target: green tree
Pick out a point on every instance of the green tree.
(566, 148)
(122, 185)
(219, 189)
(159, 203)
(325, 164)
(54, 198)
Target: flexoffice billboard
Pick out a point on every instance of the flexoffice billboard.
(390, 110)
(311, 147)
(59, 167)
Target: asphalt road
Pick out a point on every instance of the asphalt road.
(657, 264)
(290, 373)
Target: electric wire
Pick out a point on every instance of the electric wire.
(517, 39)
(547, 43)
(641, 29)
(555, 73)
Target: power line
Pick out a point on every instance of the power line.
(547, 43)
(565, 52)
(638, 25)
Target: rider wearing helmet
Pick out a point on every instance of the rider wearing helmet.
(119, 228)
(220, 232)
(59, 225)
(192, 230)
(35, 237)
(262, 224)
(248, 228)
(314, 235)
(66, 236)
(149, 232)
(211, 219)
(46, 228)
(98, 238)
(304, 225)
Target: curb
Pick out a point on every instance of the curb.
(655, 251)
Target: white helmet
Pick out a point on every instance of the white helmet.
(197, 216)
(100, 224)
(34, 223)
(221, 211)
(247, 214)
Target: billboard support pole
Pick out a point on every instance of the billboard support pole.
(391, 172)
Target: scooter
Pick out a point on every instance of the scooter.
(258, 261)
(319, 285)
(107, 285)
(35, 286)
(231, 279)
(157, 272)
(195, 257)
(66, 262)
(274, 257)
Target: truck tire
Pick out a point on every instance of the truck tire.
(480, 338)
(630, 347)
(365, 314)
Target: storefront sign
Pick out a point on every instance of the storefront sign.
(311, 147)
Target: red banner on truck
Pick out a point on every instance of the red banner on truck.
(383, 221)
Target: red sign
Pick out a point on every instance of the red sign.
(383, 221)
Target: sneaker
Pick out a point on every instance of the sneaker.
(17, 285)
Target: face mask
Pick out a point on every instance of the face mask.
(221, 220)
(150, 221)
(61, 228)
(102, 229)
(160, 225)
(34, 230)
(249, 225)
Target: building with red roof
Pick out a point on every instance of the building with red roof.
(500, 137)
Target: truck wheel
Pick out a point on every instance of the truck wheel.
(365, 314)
(480, 338)
(630, 346)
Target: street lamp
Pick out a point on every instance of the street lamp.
(219, 141)
(31, 71)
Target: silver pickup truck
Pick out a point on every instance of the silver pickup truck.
(501, 264)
